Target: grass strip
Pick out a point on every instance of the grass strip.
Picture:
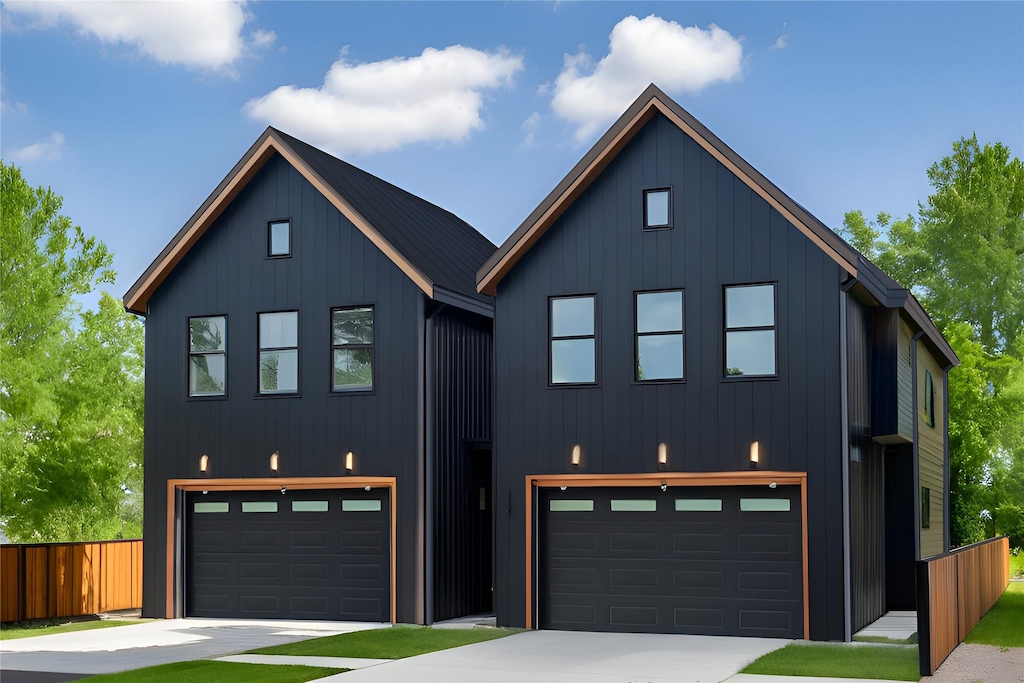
(218, 672)
(51, 626)
(1004, 624)
(396, 642)
(1017, 566)
(839, 661)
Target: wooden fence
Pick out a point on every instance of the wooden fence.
(954, 591)
(50, 580)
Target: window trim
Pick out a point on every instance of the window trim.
(637, 334)
(926, 507)
(929, 398)
(726, 330)
(668, 225)
(188, 359)
(298, 356)
(266, 253)
(373, 353)
(552, 338)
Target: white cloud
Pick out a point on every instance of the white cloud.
(203, 35)
(530, 126)
(642, 51)
(372, 106)
(49, 149)
(782, 40)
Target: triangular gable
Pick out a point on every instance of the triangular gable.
(263, 149)
(653, 101)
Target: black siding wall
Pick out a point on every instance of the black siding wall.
(723, 233)
(333, 264)
(463, 389)
(867, 496)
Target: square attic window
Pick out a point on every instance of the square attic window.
(657, 208)
(279, 239)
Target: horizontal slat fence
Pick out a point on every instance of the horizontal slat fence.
(48, 580)
(954, 591)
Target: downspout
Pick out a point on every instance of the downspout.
(945, 459)
(917, 445)
(844, 387)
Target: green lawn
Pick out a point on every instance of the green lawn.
(839, 661)
(1017, 566)
(388, 643)
(218, 672)
(1004, 623)
(49, 626)
(912, 640)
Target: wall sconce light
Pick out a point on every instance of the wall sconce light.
(204, 464)
(755, 455)
(577, 453)
(348, 462)
(662, 455)
(273, 462)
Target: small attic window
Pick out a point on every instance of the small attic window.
(657, 208)
(279, 239)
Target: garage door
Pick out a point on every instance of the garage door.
(301, 555)
(698, 560)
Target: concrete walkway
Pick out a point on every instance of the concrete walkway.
(896, 625)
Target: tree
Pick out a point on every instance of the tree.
(70, 382)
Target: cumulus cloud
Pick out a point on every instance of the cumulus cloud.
(530, 126)
(203, 35)
(640, 52)
(373, 106)
(48, 149)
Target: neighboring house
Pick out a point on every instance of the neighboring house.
(318, 387)
(712, 415)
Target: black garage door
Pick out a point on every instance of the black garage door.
(698, 560)
(300, 555)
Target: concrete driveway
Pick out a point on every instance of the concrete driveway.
(155, 642)
(570, 657)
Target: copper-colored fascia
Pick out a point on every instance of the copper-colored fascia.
(604, 151)
(137, 297)
(675, 479)
(270, 484)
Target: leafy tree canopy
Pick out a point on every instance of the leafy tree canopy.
(70, 381)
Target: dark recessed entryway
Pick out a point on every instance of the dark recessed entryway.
(299, 555)
(694, 560)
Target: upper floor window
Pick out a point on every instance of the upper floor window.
(279, 352)
(658, 208)
(929, 399)
(207, 356)
(352, 348)
(659, 335)
(279, 238)
(750, 331)
(573, 341)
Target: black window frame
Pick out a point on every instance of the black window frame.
(929, 398)
(190, 353)
(298, 356)
(270, 225)
(926, 507)
(726, 330)
(666, 226)
(371, 346)
(552, 338)
(637, 334)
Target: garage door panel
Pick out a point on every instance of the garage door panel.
(703, 566)
(311, 559)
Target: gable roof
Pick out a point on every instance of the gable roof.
(651, 103)
(436, 249)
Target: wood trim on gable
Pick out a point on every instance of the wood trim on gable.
(138, 296)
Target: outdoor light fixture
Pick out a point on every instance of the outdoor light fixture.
(755, 455)
(366, 488)
(662, 455)
(664, 486)
(348, 462)
(273, 462)
(204, 464)
(772, 485)
(562, 487)
(577, 452)
(284, 490)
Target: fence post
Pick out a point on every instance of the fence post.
(924, 624)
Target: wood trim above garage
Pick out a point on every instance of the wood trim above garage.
(270, 484)
(656, 479)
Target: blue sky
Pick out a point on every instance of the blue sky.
(135, 112)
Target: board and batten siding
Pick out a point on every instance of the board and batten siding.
(905, 384)
(227, 273)
(723, 233)
(931, 451)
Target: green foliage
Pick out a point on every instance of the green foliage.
(70, 381)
